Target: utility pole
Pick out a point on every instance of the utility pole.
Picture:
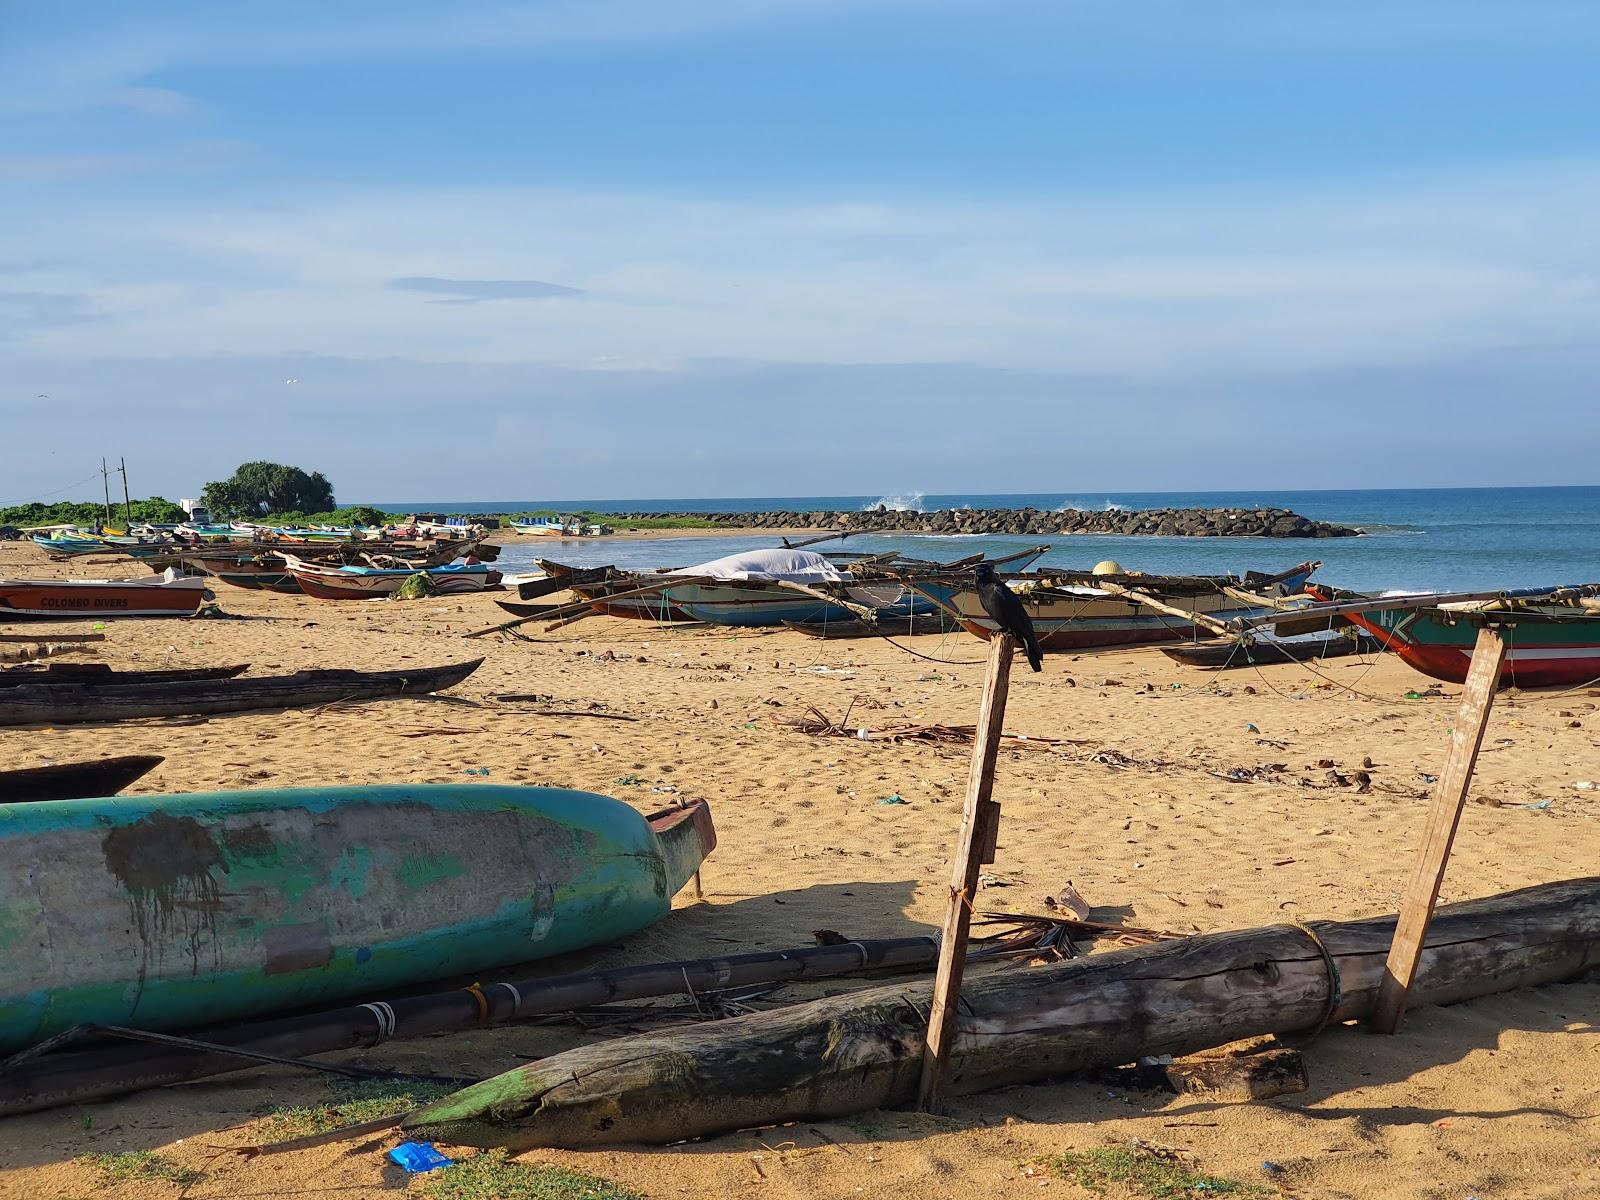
(105, 480)
(127, 504)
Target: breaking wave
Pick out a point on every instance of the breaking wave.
(1104, 506)
(912, 502)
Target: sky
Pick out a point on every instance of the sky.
(655, 248)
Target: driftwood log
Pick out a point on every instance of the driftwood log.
(849, 1053)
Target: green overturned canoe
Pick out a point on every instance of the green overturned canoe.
(171, 911)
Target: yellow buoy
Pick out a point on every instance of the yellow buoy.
(1108, 566)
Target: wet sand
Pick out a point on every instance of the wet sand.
(1497, 1097)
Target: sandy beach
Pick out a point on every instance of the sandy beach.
(1134, 804)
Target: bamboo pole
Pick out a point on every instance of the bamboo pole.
(980, 826)
(75, 1076)
(1368, 604)
(1197, 618)
(1444, 815)
(579, 607)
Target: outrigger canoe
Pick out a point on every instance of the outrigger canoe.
(1069, 612)
(168, 912)
(1548, 644)
(328, 582)
(171, 595)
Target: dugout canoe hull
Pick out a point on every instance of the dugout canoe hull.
(63, 674)
(1221, 654)
(71, 781)
(169, 912)
(76, 703)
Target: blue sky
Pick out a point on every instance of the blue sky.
(695, 247)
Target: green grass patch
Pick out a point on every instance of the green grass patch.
(352, 1101)
(131, 1165)
(1142, 1172)
(493, 1176)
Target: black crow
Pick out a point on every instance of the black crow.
(1003, 607)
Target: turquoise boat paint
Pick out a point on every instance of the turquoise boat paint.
(167, 912)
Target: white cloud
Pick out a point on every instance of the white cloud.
(1302, 276)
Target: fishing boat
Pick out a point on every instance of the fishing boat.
(69, 703)
(907, 626)
(767, 588)
(1552, 636)
(1078, 610)
(1246, 652)
(346, 582)
(63, 674)
(70, 781)
(170, 595)
(71, 544)
(167, 912)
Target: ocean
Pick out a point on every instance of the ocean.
(1432, 539)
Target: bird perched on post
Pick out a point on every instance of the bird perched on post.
(1003, 607)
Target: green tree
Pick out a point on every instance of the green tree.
(259, 489)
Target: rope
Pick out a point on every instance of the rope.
(384, 1015)
(476, 992)
(1335, 980)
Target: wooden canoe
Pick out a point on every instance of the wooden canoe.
(59, 674)
(115, 702)
(328, 582)
(168, 912)
(528, 610)
(1224, 654)
(69, 781)
(902, 626)
(1073, 611)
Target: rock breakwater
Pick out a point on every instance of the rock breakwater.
(1035, 522)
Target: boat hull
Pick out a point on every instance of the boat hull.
(166, 912)
(756, 605)
(1539, 652)
(74, 599)
(1073, 621)
(68, 704)
(69, 781)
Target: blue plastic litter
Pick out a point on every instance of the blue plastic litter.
(476, 771)
(1251, 728)
(417, 1157)
(897, 798)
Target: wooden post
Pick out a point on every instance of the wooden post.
(127, 503)
(1444, 814)
(980, 826)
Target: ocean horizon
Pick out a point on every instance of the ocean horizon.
(1417, 539)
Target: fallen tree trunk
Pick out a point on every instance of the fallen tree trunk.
(849, 1053)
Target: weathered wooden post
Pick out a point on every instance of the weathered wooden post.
(1444, 814)
(980, 826)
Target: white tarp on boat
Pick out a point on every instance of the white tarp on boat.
(769, 566)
